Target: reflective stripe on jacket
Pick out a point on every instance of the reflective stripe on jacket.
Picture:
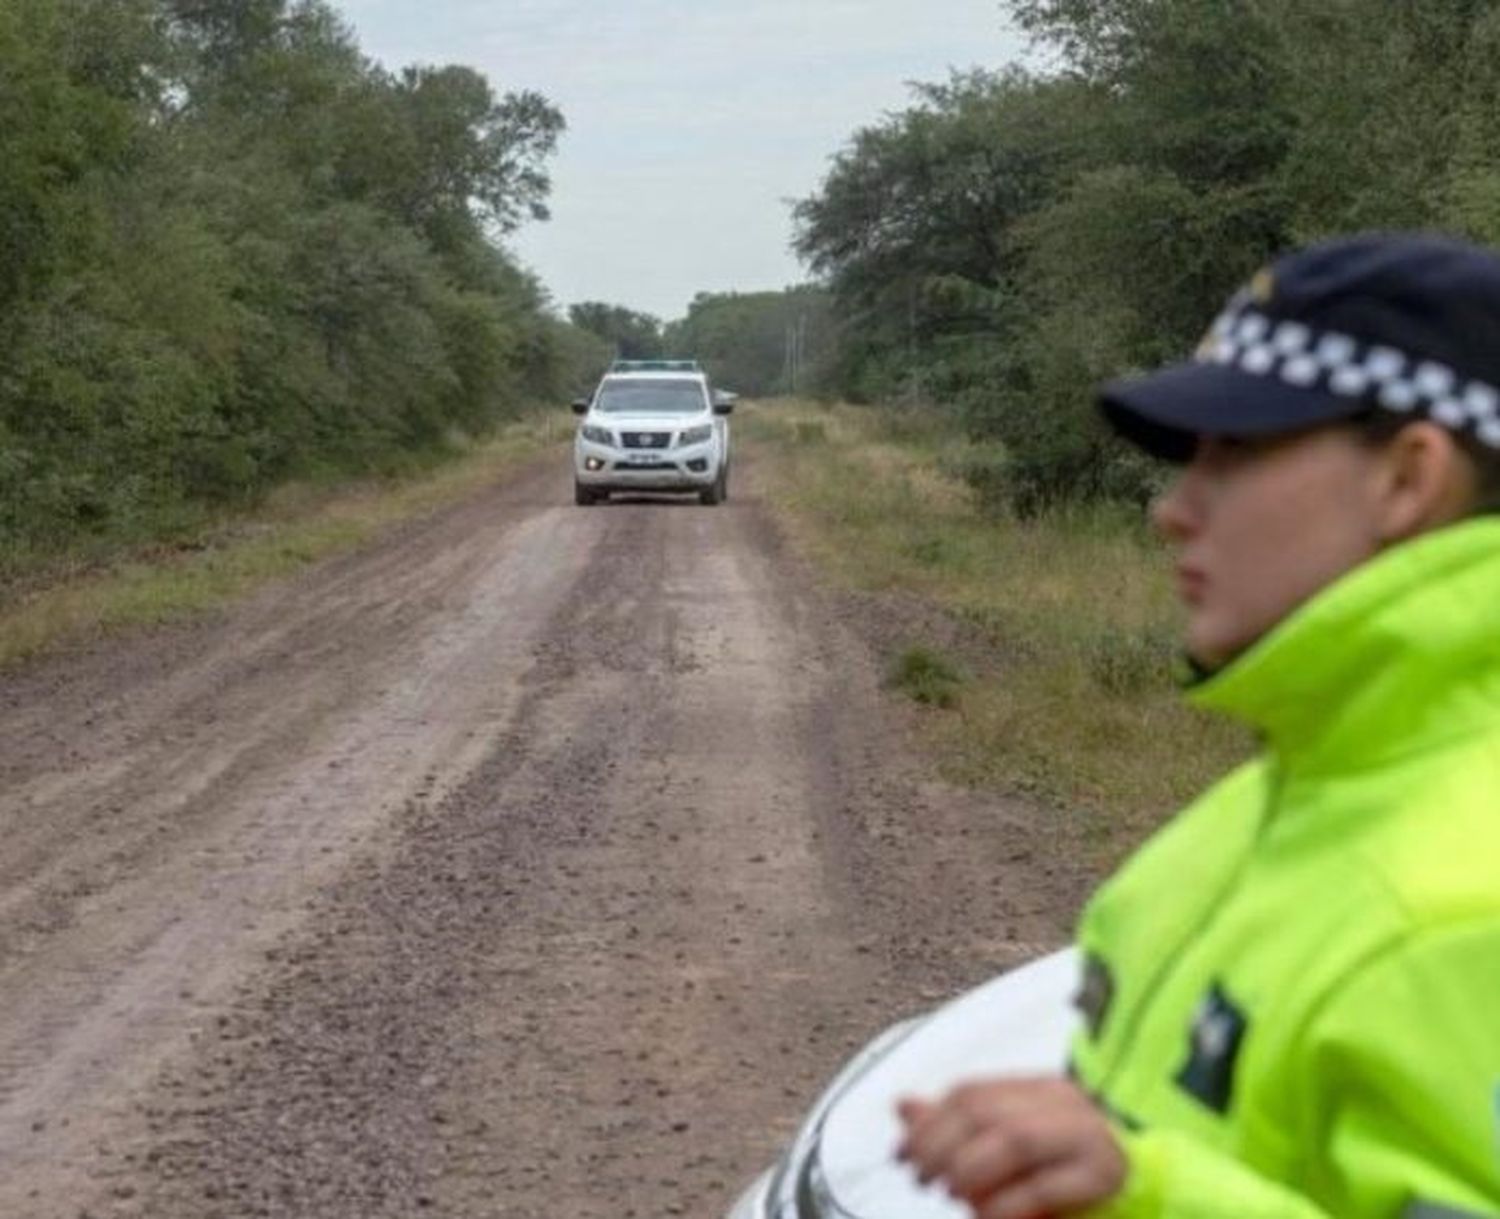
(1293, 989)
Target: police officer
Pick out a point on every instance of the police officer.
(1292, 991)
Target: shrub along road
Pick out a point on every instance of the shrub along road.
(534, 860)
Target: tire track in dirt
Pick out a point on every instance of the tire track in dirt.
(619, 917)
(151, 861)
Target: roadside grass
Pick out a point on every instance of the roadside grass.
(225, 559)
(1076, 701)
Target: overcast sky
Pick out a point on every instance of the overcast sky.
(691, 123)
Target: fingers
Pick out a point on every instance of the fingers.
(936, 1138)
(1059, 1189)
(1015, 1149)
(937, 1130)
(912, 1110)
(991, 1158)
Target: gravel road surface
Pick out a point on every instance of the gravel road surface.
(536, 861)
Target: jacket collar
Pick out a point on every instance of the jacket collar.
(1399, 654)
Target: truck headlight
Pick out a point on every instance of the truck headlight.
(696, 435)
(599, 435)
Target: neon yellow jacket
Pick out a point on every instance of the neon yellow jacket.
(1293, 990)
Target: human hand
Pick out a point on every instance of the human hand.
(1015, 1148)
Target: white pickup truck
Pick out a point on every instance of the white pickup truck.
(653, 425)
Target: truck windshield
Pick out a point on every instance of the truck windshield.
(651, 397)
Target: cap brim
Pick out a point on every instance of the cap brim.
(1165, 412)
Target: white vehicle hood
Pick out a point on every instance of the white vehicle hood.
(1020, 1023)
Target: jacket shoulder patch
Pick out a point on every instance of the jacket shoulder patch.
(1095, 994)
(1213, 1046)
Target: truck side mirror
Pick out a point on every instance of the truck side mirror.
(580, 406)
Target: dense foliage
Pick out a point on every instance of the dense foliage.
(234, 251)
(760, 342)
(1012, 238)
(629, 334)
(753, 342)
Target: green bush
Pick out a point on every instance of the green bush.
(927, 676)
(936, 551)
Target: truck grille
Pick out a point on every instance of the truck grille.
(645, 440)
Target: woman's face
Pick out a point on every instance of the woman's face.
(1260, 525)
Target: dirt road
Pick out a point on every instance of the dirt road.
(537, 861)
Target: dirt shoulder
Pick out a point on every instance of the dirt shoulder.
(537, 860)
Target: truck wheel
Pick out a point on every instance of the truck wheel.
(719, 492)
(583, 496)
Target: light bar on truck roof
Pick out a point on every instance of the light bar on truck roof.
(655, 366)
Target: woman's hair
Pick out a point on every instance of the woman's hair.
(1378, 427)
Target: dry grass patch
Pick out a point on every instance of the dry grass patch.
(1078, 703)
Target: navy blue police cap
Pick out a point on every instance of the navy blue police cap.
(1406, 323)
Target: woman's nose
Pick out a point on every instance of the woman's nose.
(1172, 515)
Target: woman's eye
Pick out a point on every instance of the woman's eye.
(1235, 448)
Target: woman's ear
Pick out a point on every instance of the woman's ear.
(1425, 480)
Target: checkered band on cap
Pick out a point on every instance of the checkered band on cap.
(1300, 355)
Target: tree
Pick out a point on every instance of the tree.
(760, 343)
(1010, 240)
(465, 155)
(233, 251)
(917, 226)
(634, 336)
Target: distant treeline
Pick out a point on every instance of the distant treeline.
(756, 343)
(234, 251)
(1013, 238)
